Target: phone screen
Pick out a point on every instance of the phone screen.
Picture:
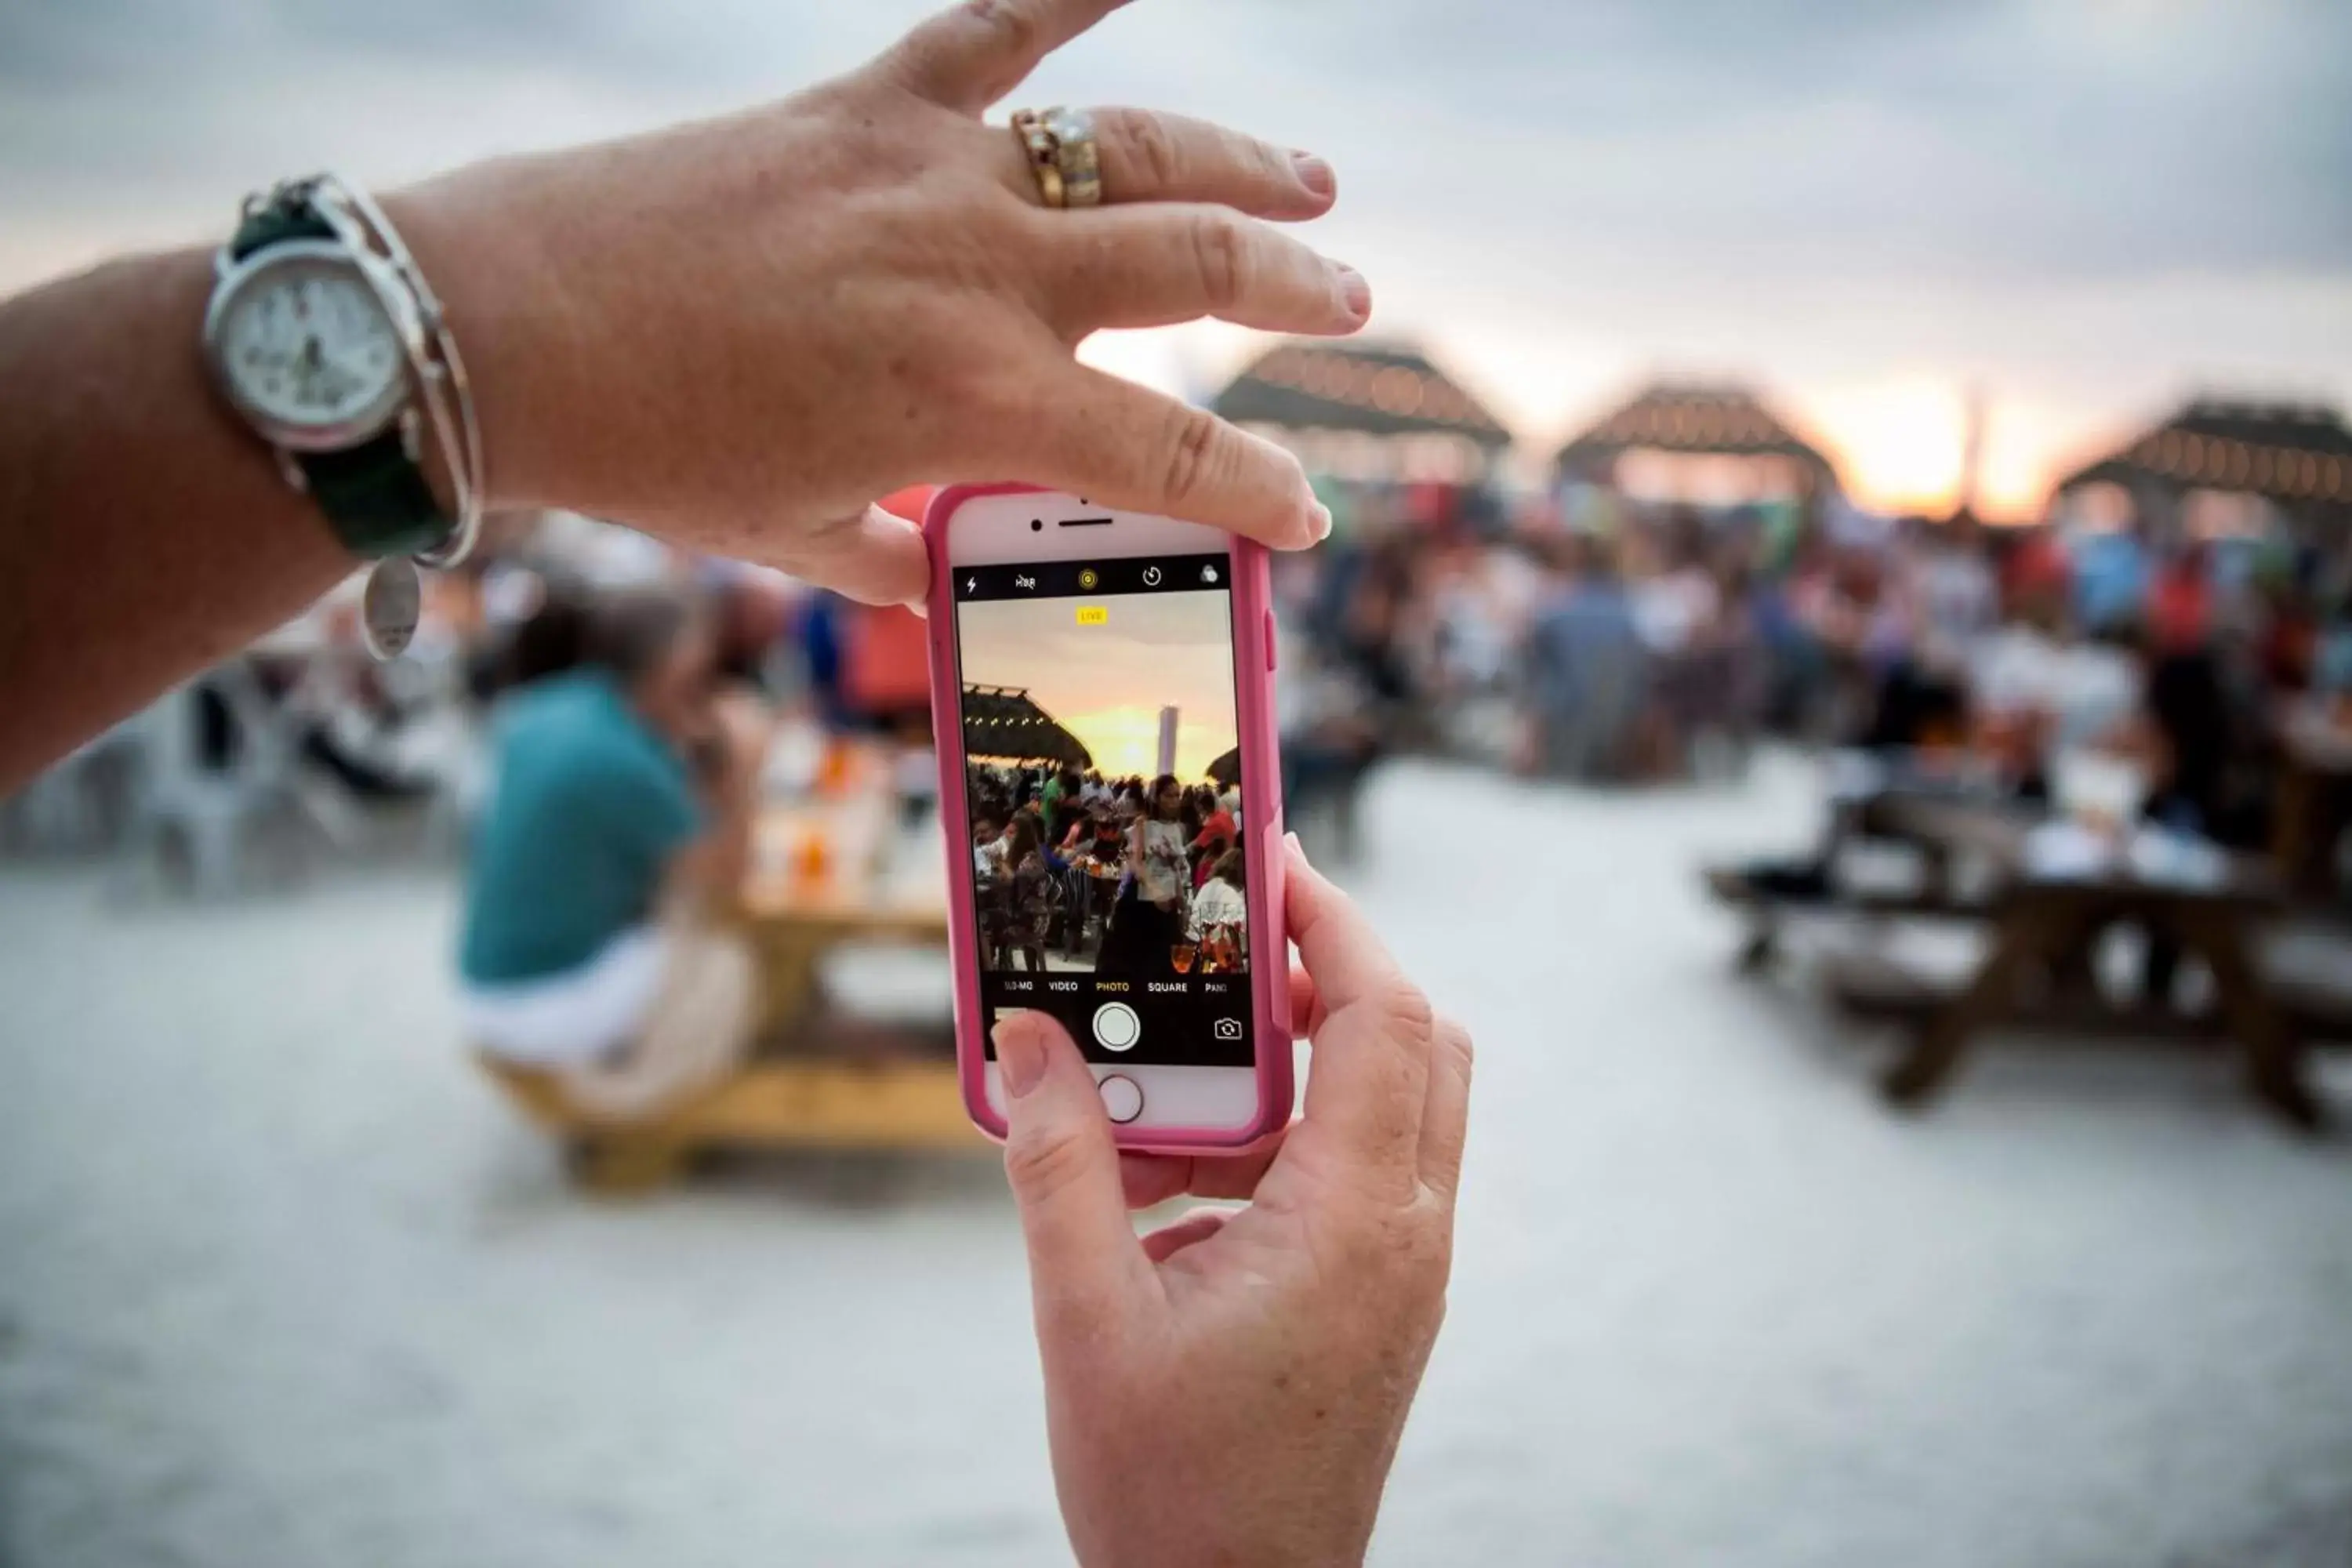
(1102, 788)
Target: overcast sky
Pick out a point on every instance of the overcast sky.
(1107, 682)
(2086, 207)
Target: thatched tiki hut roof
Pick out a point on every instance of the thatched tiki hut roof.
(1363, 408)
(1695, 420)
(2297, 457)
(1001, 725)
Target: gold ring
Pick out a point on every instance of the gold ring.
(1059, 144)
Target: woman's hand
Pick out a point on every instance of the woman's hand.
(736, 334)
(1231, 1389)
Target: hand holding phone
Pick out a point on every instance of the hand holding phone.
(1101, 689)
(1231, 1388)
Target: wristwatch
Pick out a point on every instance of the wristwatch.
(324, 337)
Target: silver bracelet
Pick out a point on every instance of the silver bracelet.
(432, 350)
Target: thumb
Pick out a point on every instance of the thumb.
(1064, 1170)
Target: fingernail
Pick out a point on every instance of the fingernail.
(1356, 292)
(1320, 520)
(1020, 1054)
(1314, 173)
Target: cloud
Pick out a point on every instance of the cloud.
(2098, 199)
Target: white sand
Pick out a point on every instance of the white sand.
(282, 1282)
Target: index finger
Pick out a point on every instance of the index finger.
(1123, 444)
(1370, 1073)
(875, 556)
(969, 57)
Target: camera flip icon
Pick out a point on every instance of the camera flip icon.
(1229, 1028)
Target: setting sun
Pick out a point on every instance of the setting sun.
(1899, 445)
(1126, 739)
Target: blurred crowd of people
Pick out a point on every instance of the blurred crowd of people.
(1120, 876)
(1648, 644)
(1660, 645)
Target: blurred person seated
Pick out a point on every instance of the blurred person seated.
(543, 632)
(619, 823)
(2037, 688)
(1858, 624)
(1922, 694)
(1104, 836)
(987, 845)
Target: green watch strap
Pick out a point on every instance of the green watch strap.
(377, 498)
(276, 223)
(375, 494)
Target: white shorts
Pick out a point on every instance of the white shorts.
(583, 1014)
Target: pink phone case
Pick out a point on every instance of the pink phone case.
(1253, 655)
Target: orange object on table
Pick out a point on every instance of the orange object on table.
(833, 766)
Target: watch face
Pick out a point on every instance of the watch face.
(305, 346)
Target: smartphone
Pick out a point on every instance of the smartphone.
(1102, 693)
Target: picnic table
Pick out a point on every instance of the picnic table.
(838, 867)
(2044, 921)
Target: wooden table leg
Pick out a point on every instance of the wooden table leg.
(1762, 946)
(2029, 932)
(2292, 828)
(788, 979)
(1935, 871)
(628, 1163)
(2274, 1047)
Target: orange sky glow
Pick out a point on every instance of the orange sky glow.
(1106, 684)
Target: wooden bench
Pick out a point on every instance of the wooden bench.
(2037, 979)
(1766, 910)
(771, 1105)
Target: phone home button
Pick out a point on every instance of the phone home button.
(1116, 1028)
(1121, 1097)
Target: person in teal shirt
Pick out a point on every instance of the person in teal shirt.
(585, 948)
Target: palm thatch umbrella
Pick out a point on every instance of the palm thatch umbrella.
(1001, 723)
